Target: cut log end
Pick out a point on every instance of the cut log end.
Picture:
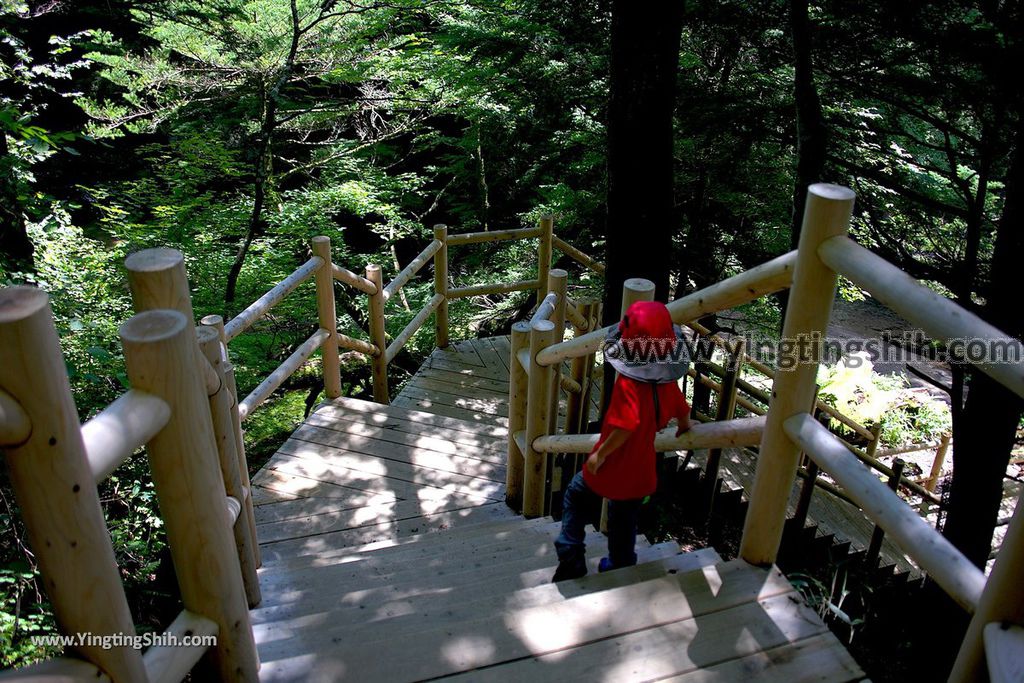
(830, 191)
(21, 302)
(153, 260)
(152, 326)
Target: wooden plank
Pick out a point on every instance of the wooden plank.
(422, 457)
(492, 406)
(413, 547)
(336, 465)
(399, 528)
(461, 379)
(451, 411)
(354, 406)
(526, 581)
(387, 424)
(558, 626)
(655, 653)
(491, 449)
(429, 573)
(266, 495)
(429, 386)
(464, 368)
(818, 659)
(311, 480)
(363, 516)
(309, 506)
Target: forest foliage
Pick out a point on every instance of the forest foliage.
(236, 130)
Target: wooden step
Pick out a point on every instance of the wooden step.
(506, 557)
(409, 615)
(381, 531)
(678, 622)
(424, 544)
(526, 572)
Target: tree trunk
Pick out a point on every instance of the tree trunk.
(641, 216)
(15, 247)
(641, 213)
(986, 432)
(810, 125)
(264, 155)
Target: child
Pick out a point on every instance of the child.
(648, 354)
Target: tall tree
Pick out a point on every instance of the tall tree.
(641, 215)
(987, 430)
(810, 124)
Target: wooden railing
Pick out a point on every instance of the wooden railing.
(788, 428)
(55, 464)
(184, 408)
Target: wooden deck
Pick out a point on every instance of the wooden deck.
(389, 555)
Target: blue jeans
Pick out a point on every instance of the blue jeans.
(581, 506)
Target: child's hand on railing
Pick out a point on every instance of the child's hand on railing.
(683, 427)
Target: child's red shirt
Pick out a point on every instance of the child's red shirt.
(630, 471)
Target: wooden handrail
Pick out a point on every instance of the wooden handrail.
(546, 308)
(518, 385)
(171, 663)
(929, 310)
(958, 577)
(52, 484)
(403, 277)
(569, 384)
(766, 278)
(577, 255)
(257, 309)
(403, 338)
(283, 372)
(572, 312)
(15, 424)
(121, 428)
(500, 288)
(222, 406)
(353, 344)
(741, 431)
(353, 279)
(493, 236)
(59, 669)
(160, 354)
(538, 416)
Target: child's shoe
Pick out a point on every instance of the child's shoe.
(570, 569)
(605, 565)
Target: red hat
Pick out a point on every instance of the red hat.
(648, 320)
(646, 345)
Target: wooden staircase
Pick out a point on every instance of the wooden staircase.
(389, 555)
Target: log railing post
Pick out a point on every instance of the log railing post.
(542, 335)
(803, 504)
(1002, 601)
(544, 256)
(158, 280)
(940, 458)
(878, 534)
(328, 316)
(441, 287)
(827, 214)
(575, 403)
(726, 411)
(217, 323)
(224, 433)
(378, 336)
(54, 487)
(558, 281)
(160, 356)
(595, 322)
(518, 386)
